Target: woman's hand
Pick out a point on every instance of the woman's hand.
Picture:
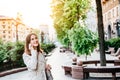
(48, 67)
(31, 47)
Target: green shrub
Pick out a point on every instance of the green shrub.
(114, 42)
(11, 55)
(47, 47)
(1, 52)
(5, 52)
(16, 53)
(107, 44)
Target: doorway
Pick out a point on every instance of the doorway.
(109, 32)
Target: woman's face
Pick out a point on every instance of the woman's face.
(34, 41)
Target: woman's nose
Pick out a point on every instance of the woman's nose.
(36, 39)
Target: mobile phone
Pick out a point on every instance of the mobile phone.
(30, 46)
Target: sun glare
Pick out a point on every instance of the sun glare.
(34, 12)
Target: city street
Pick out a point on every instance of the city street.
(79, 24)
(56, 60)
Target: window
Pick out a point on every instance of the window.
(9, 37)
(3, 22)
(3, 26)
(8, 27)
(8, 22)
(105, 17)
(113, 13)
(109, 15)
(117, 11)
(9, 32)
(4, 36)
(3, 31)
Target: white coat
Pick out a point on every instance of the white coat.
(36, 65)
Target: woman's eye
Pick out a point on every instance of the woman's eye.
(36, 38)
(32, 39)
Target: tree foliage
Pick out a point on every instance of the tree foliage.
(83, 40)
(66, 15)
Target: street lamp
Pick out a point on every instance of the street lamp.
(18, 22)
(16, 31)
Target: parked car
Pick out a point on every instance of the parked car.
(62, 49)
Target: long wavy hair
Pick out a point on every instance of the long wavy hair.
(27, 42)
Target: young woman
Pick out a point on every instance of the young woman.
(34, 58)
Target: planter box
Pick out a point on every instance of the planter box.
(77, 72)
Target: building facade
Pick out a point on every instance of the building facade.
(91, 20)
(111, 18)
(11, 31)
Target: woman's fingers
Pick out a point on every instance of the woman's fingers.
(48, 66)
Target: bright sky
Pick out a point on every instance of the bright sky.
(34, 12)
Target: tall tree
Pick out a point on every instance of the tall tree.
(101, 33)
(65, 14)
(57, 12)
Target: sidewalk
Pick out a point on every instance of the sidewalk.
(12, 71)
(56, 60)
